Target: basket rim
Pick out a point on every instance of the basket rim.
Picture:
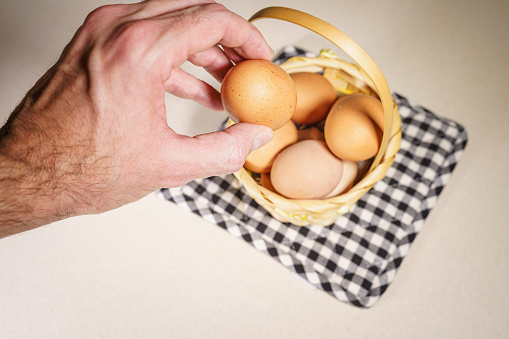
(304, 211)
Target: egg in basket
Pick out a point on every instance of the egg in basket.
(336, 126)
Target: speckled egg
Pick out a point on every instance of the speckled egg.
(259, 92)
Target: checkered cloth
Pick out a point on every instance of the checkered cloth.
(357, 257)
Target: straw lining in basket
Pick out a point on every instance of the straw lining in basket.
(356, 258)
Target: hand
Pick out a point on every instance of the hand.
(92, 135)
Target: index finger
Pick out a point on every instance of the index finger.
(198, 28)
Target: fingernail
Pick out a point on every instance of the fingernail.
(262, 138)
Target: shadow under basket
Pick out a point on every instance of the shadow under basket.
(363, 76)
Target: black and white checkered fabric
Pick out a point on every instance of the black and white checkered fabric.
(357, 257)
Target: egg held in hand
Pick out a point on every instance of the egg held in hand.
(306, 170)
(259, 92)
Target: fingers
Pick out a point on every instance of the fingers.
(214, 61)
(214, 153)
(198, 34)
(186, 86)
(167, 33)
(197, 29)
(154, 8)
(233, 55)
(160, 35)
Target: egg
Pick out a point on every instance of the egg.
(310, 133)
(354, 126)
(260, 160)
(350, 171)
(306, 170)
(315, 95)
(266, 182)
(369, 105)
(259, 92)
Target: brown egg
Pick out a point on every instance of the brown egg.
(350, 171)
(266, 182)
(366, 103)
(353, 128)
(306, 170)
(315, 95)
(259, 92)
(260, 160)
(310, 133)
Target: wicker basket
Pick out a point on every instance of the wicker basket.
(346, 78)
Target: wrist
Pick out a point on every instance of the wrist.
(24, 203)
(34, 188)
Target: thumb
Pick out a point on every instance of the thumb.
(219, 153)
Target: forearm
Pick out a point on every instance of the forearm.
(32, 188)
(18, 195)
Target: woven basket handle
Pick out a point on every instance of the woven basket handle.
(351, 48)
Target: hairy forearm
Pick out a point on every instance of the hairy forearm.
(50, 168)
(33, 188)
(28, 186)
(18, 197)
(37, 189)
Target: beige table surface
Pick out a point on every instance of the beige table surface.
(151, 270)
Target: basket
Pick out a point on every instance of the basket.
(364, 76)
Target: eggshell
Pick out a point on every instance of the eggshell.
(310, 133)
(353, 128)
(350, 171)
(260, 160)
(306, 170)
(266, 182)
(259, 92)
(369, 105)
(315, 95)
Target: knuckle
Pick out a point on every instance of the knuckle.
(104, 22)
(102, 14)
(128, 43)
(236, 157)
(207, 12)
(216, 7)
(235, 162)
(134, 33)
(95, 16)
(216, 11)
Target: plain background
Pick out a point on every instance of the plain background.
(151, 270)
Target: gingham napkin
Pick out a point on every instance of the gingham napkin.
(357, 257)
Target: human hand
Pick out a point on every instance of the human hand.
(92, 134)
